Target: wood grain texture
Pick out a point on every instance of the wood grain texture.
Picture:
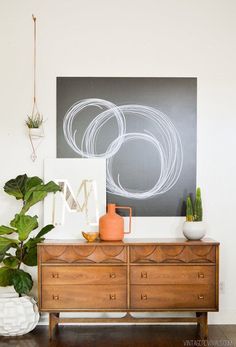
(217, 276)
(59, 297)
(173, 254)
(181, 274)
(175, 296)
(130, 241)
(203, 325)
(67, 275)
(79, 254)
(134, 275)
(39, 262)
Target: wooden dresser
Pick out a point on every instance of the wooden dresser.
(141, 275)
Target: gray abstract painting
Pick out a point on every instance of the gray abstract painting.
(146, 130)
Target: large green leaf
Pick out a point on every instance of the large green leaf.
(16, 186)
(4, 230)
(24, 225)
(14, 221)
(33, 242)
(37, 192)
(32, 182)
(5, 276)
(30, 251)
(30, 257)
(30, 247)
(22, 281)
(45, 230)
(33, 199)
(29, 189)
(6, 243)
(11, 262)
(50, 187)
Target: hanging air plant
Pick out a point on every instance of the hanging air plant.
(34, 122)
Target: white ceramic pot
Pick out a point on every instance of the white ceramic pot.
(18, 315)
(194, 230)
(36, 132)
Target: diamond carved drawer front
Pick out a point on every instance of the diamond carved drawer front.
(83, 254)
(173, 254)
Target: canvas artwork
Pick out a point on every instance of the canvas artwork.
(82, 199)
(145, 128)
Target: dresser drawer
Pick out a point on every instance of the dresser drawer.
(82, 254)
(82, 297)
(79, 274)
(173, 297)
(173, 254)
(172, 274)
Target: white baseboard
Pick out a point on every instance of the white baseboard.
(222, 317)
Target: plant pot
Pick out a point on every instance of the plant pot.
(194, 230)
(36, 132)
(18, 315)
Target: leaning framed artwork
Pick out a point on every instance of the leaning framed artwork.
(145, 128)
(82, 199)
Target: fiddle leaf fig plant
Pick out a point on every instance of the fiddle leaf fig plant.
(21, 249)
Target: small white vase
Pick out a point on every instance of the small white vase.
(18, 315)
(36, 132)
(194, 230)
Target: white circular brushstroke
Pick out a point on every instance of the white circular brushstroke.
(168, 144)
(88, 146)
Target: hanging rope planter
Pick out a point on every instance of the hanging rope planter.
(34, 122)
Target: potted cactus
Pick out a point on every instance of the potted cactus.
(194, 228)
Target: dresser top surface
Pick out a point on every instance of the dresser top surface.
(130, 241)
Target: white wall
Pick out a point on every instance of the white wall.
(128, 38)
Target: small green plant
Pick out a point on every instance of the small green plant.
(198, 206)
(194, 211)
(34, 121)
(21, 249)
(189, 210)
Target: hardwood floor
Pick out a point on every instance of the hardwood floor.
(125, 336)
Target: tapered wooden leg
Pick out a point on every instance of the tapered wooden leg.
(198, 315)
(203, 325)
(53, 322)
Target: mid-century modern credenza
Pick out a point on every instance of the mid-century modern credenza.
(141, 275)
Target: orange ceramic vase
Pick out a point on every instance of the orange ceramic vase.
(111, 225)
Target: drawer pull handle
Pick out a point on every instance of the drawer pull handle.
(143, 296)
(112, 296)
(200, 275)
(112, 275)
(144, 274)
(55, 297)
(55, 275)
(200, 297)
